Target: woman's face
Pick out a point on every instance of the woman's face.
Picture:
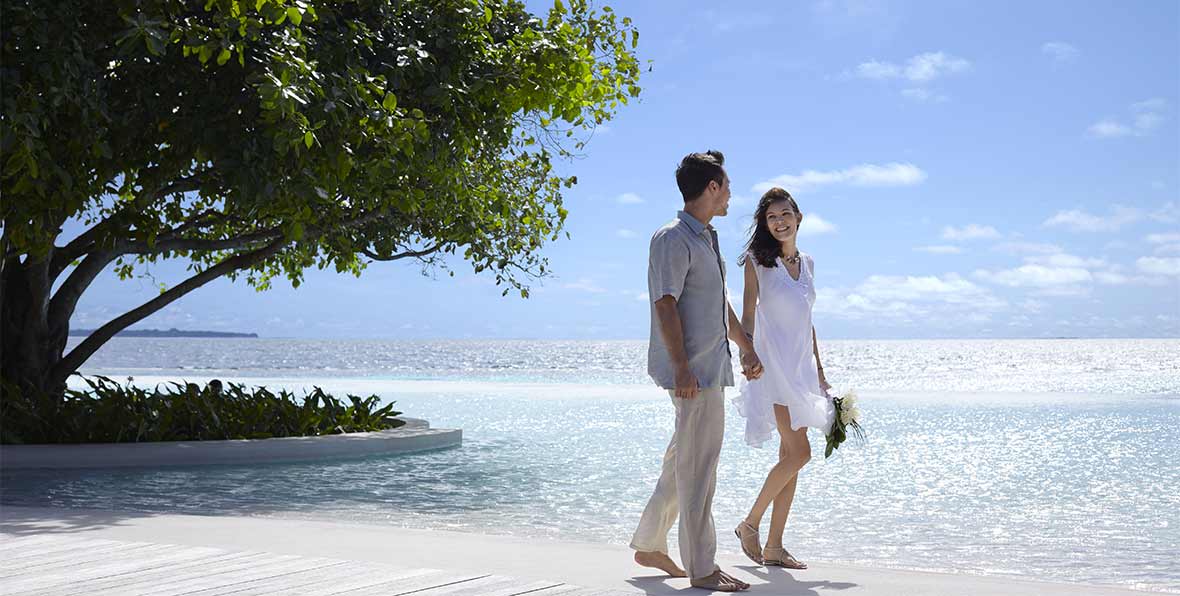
(782, 220)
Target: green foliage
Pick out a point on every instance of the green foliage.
(112, 413)
(346, 128)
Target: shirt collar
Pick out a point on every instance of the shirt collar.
(693, 223)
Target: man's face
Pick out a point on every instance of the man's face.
(720, 196)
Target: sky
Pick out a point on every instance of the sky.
(965, 170)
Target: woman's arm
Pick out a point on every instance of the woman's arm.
(749, 297)
(823, 381)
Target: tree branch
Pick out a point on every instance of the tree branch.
(199, 244)
(83, 351)
(403, 255)
(86, 242)
(65, 300)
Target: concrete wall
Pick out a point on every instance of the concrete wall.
(416, 435)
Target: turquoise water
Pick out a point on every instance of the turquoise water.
(1059, 485)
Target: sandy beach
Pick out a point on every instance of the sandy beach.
(597, 567)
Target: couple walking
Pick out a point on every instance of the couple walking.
(689, 355)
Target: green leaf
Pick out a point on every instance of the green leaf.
(223, 57)
(308, 139)
(295, 15)
(390, 102)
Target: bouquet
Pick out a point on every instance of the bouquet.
(847, 417)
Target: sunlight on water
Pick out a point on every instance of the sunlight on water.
(1075, 365)
(1052, 485)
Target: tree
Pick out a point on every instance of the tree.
(257, 138)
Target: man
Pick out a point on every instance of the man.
(689, 356)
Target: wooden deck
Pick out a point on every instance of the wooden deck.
(54, 565)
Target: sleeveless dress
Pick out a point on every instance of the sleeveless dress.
(782, 340)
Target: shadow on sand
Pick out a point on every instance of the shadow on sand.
(22, 521)
(775, 580)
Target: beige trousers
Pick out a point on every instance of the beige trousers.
(686, 485)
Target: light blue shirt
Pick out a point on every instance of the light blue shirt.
(685, 263)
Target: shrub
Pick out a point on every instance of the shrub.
(112, 413)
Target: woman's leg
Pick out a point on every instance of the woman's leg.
(781, 506)
(795, 454)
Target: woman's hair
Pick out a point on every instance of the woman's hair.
(762, 245)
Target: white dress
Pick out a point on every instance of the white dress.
(782, 340)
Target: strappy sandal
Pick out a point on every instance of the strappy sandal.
(751, 544)
(776, 556)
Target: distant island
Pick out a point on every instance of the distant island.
(174, 332)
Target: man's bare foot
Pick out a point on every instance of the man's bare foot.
(720, 581)
(658, 560)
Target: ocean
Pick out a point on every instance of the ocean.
(1044, 459)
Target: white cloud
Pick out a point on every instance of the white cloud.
(923, 95)
(1148, 116)
(1163, 238)
(891, 174)
(906, 298)
(585, 285)
(931, 65)
(1155, 104)
(629, 198)
(1060, 51)
(1148, 121)
(1032, 305)
(1159, 265)
(920, 69)
(625, 233)
(1037, 276)
(1063, 274)
(1168, 213)
(1028, 248)
(949, 288)
(969, 232)
(1109, 129)
(1065, 260)
(939, 249)
(1082, 221)
(878, 70)
(814, 225)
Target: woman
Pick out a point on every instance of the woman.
(791, 395)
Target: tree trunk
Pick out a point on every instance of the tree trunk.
(29, 344)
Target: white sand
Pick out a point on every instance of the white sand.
(592, 565)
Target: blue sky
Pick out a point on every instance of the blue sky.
(966, 169)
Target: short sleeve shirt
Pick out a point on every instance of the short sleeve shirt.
(685, 263)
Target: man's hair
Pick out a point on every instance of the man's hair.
(697, 170)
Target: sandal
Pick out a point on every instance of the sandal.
(777, 556)
(751, 544)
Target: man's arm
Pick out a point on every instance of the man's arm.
(673, 333)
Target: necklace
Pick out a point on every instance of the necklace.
(793, 259)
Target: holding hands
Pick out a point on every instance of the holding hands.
(751, 364)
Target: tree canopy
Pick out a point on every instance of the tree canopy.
(258, 138)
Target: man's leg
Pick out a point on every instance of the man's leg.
(700, 428)
(651, 538)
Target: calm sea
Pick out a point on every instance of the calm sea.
(1049, 459)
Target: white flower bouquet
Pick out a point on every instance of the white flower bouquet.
(847, 417)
